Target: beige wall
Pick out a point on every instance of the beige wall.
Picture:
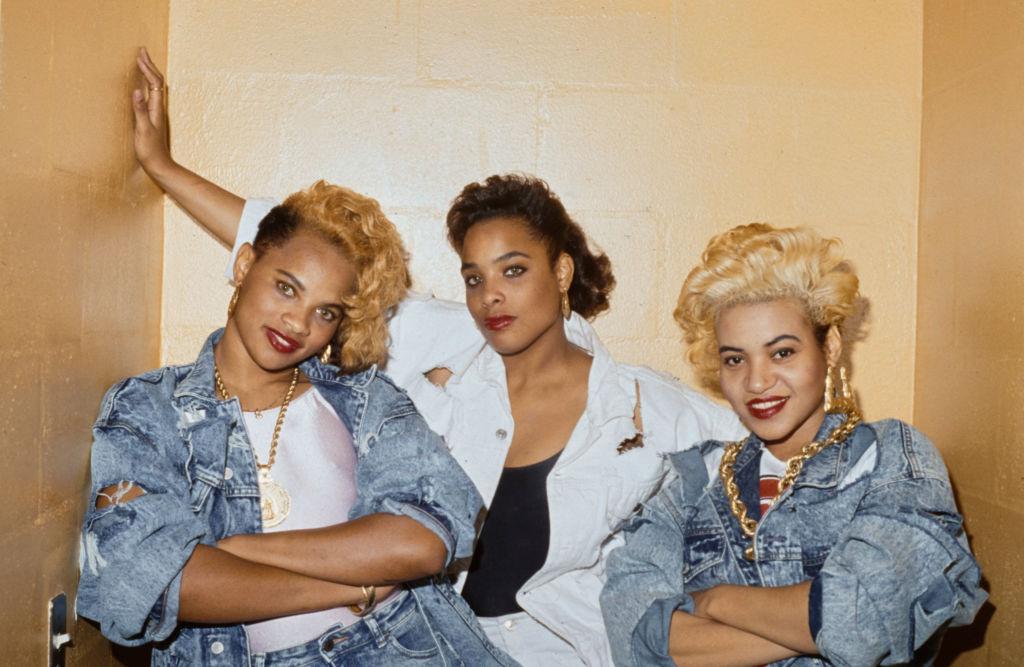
(80, 243)
(970, 375)
(659, 124)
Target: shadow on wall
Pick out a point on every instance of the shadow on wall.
(958, 641)
(961, 640)
(136, 656)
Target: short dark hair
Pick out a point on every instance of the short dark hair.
(529, 199)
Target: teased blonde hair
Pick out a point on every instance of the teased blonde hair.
(358, 227)
(757, 263)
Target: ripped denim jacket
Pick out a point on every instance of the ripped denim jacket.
(167, 432)
(871, 522)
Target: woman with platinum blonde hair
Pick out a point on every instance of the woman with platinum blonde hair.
(819, 538)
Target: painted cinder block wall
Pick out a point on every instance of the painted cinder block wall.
(969, 388)
(80, 265)
(658, 123)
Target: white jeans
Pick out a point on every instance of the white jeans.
(529, 642)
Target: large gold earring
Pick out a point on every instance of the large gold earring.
(325, 356)
(838, 399)
(566, 307)
(234, 300)
(830, 388)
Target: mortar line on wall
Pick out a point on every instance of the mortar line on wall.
(917, 223)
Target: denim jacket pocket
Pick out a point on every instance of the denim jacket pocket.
(703, 549)
(813, 558)
(203, 483)
(208, 447)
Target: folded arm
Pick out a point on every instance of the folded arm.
(378, 549)
(778, 614)
(217, 587)
(647, 613)
(414, 514)
(144, 565)
(700, 642)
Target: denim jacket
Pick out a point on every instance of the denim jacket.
(167, 432)
(871, 522)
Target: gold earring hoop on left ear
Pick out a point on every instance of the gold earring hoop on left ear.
(325, 356)
(839, 399)
(234, 300)
(566, 306)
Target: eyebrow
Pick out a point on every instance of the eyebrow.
(298, 283)
(773, 341)
(506, 256)
(781, 338)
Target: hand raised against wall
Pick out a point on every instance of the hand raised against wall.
(150, 138)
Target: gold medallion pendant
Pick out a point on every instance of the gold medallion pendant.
(275, 503)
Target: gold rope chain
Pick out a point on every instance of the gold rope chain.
(793, 467)
(222, 390)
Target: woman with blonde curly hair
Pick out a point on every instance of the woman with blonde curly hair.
(818, 539)
(261, 506)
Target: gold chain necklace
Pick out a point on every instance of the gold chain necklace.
(275, 503)
(793, 467)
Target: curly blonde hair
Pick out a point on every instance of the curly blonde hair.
(358, 227)
(757, 263)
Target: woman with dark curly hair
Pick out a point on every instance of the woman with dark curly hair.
(561, 441)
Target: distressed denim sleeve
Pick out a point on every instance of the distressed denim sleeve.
(133, 552)
(899, 575)
(645, 585)
(407, 470)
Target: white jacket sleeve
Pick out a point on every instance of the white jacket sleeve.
(254, 211)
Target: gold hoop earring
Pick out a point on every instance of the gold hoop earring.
(838, 399)
(234, 300)
(566, 307)
(325, 356)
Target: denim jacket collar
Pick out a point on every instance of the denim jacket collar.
(198, 382)
(826, 468)
(196, 397)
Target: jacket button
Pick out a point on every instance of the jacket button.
(228, 473)
(501, 434)
(329, 645)
(216, 648)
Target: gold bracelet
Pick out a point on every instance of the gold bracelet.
(369, 600)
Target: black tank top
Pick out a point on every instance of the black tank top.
(514, 540)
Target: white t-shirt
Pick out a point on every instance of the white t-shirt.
(316, 465)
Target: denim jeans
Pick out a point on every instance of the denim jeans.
(397, 633)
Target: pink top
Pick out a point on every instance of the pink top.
(316, 463)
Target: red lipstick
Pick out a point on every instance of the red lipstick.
(280, 342)
(767, 406)
(498, 322)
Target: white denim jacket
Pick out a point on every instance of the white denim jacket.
(593, 489)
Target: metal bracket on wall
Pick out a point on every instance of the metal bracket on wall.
(59, 638)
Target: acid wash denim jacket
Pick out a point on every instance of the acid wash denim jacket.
(871, 522)
(168, 433)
